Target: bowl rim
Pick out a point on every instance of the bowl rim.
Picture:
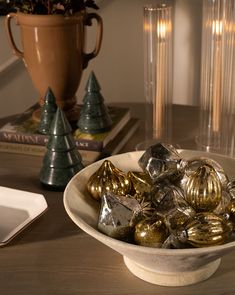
(95, 233)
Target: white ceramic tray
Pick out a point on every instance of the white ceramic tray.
(18, 209)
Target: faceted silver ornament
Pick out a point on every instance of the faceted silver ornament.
(161, 161)
(118, 216)
(171, 205)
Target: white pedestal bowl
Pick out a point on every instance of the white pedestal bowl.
(167, 267)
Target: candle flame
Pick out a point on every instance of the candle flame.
(161, 29)
(217, 27)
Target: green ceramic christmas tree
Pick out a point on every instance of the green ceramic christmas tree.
(48, 112)
(94, 117)
(62, 159)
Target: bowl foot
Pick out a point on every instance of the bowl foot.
(163, 278)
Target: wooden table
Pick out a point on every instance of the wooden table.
(53, 256)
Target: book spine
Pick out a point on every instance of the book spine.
(38, 139)
(26, 149)
(41, 140)
(88, 157)
(89, 145)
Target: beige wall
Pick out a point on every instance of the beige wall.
(119, 66)
(16, 90)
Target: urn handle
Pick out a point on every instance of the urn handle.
(16, 51)
(88, 21)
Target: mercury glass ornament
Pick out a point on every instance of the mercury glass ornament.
(231, 212)
(141, 182)
(147, 208)
(178, 217)
(166, 197)
(108, 178)
(162, 193)
(172, 242)
(151, 232)
(161, 161)
(203, 189)
(231, 189)
(171, 205)
(206, 229)
(193, 164)
(222, 208)
(118, 216)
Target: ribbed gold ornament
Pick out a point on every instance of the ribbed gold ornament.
(108, 178)
(203, 189)
(206, 229)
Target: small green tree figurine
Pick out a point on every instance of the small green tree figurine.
(62, 159)
(48, 112)
(94, 117)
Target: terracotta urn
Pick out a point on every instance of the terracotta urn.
(53, 53)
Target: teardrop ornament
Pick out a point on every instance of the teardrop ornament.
(141, 182)
(108, 178)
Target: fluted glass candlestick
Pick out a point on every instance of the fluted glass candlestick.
(158, 72)
(216, 131)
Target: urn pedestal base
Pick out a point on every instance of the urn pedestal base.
(172, 279)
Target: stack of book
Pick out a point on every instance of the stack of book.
(20, 135)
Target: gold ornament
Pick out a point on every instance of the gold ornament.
(193, 164)
(108, 178)
(151, 232)
(206, 229)
(141, 182)
(203, 189)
